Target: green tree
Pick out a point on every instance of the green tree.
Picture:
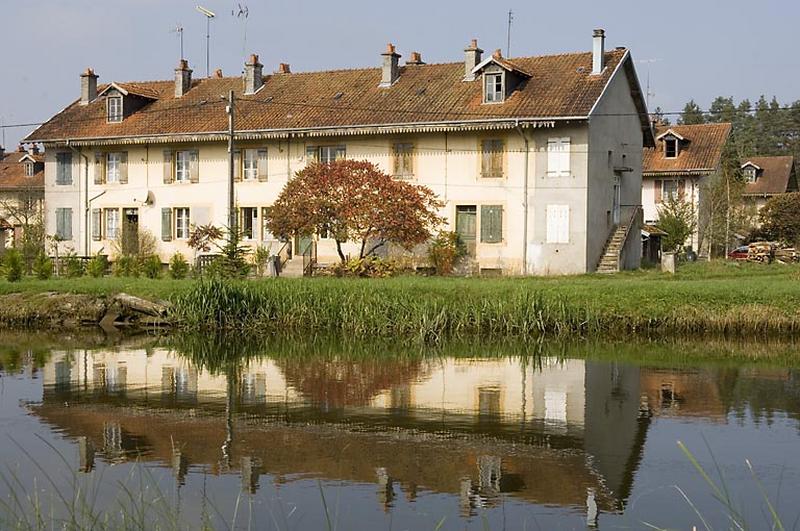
(692, 114)
(676, 217)
(780, 218)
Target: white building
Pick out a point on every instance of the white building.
(538, 159)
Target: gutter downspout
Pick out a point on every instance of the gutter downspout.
(524, 200)
(85, 197)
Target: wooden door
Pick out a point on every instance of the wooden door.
(466, 226)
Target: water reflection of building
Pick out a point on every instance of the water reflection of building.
(550, 432)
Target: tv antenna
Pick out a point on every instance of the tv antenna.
(648, 93)
(179, 31)
(209, 15)
(241, 13)
(508, 33)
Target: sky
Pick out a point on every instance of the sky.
(698, 49)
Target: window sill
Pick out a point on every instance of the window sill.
(493, 177)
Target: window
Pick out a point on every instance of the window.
(182, 223)
(670, 147)
(112, 223)
(249, 222)
(491, 223)
(492, 157)
(403, 160)
(250, 164)
(64, 223)
(113, 164)
(493, 88)
(670, 190)
(558, 155)
(557, 224)
(750, 174)
(182, 166)
(63, 168)
(29, 169)
(114, 108)
(325, 154)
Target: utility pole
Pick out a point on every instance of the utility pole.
(508, 33)
(231, 201)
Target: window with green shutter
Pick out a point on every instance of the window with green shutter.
(166, 224)
(64, 223)
(491, 223)
(64, 168)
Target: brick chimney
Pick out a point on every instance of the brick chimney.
(218, 73)
(88, 86)
(183, 78)
(253, 75)
(416, 59)
(472, 58)
(598, 51)
(284, 68)
(391, 66)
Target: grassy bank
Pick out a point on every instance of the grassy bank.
(739, 299)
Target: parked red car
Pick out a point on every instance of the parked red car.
(740, 253)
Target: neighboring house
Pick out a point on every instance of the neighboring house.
(21, 192)
(767, 177)
(684, 159)
(537, 159)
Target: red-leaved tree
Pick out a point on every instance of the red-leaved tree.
(355, 201)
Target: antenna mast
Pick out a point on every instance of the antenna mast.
(209, 15)
(242, 14)
(508, 34)
(179, 30)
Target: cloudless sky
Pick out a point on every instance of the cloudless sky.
(698, 49)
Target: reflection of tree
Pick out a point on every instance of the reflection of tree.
(339, 382)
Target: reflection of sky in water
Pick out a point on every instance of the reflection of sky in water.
(411, 441)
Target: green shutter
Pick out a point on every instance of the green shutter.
(99, 168)
(97, 221)
(312, 154)
(67, 223)
(123, 167)
(168, 167)
(262, 165)
(194, 166)
(341, 153)
(166, 224)
(237, 165)
(491, 223)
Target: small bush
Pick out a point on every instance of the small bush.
(13, 265)
(151, 267)
(261, 260)
(369, 267)
(126, 266)
(444, 251)
(178, 266)
(42, 266)
(73, 266)
(97, 266)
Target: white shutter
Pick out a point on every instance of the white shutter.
(564, 154)
(557, 224)
(558, 155)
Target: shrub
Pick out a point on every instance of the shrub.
(13, 265)
(369, 267)
(261, 259)
(42, 266)
(126, 266)
(676, 218)
(444, 251)
(178, 266)
(151, 266)
(780, 218)
(73, 266)
(97, 266)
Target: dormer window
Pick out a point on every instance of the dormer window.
(29, 169)
(750, 174)
(670, 147)
(114, 109)
(493, 88)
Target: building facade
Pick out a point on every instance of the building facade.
(767, 177)
(684, 159)
(21, 193)
(538, 159)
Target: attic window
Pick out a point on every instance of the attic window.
(114, 109)
(493, 88)
(670, 147)
(750, 174)
(29, 169)
(338, 95)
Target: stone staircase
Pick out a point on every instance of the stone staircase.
(609, 263)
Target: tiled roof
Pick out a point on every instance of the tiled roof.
(12, 172)
(776, 176)
(561, 86)
(700, 155)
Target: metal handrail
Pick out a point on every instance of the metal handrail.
(286, 249)
(309, 258)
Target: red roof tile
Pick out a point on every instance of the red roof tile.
(561, 86)
(777, 176)
(700, 155)
(12, 172)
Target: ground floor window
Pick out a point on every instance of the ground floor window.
(182, 223)
(266, 235)
(249, 222)
(64, 223)
(112, 223)
(557, 223)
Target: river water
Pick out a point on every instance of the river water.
(315, 434)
